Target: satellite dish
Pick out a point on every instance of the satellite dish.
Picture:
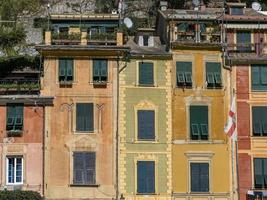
(256, 6)
(196, 2)
(128, 22)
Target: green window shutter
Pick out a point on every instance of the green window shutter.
(199, 122)
(213, 74)
(10, 117)
(256, 121)
(62, 67)
(265, 172)
(104, 67)
(255, 71)
(263, 75)
(258, 173)
(146, 74)
(96, 69)
(184, 74)
(69, 67)
(100, 70)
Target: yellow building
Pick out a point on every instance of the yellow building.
(201, 167)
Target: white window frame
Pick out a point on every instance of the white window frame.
(15, 169)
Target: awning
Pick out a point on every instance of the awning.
(247, 26)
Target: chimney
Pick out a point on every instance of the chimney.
(163, 5)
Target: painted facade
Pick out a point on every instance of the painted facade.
(80, 127)
(201, 159)
(138, 147)
(247, 55)
(22, 131)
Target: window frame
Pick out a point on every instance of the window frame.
(199, 125)
(213, 74)
(139, 64)
(146, 139)
(76, 118)
(262, 111)
(260, 87)
(254, 174)
(15, 170)
(65, 81)
(14, 118)
(243, 49)
(73, 182)
(209, 175)
(184, 74)
(99, 81)
(155, 177)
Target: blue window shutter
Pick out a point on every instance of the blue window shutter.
(243, 38)
(145, 177)
(204, 177)
(90, 161)
(146, 124)
(146, 74)
(89, 116)
(78, 168)
(194, 176)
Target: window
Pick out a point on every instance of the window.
(146, 74)
(259, 77)
(199, 177)
(14, 119)
(243, 40)
(146, 124)
(213, 75)
(237, 11)
(184, 74)
(146, 177)
(14, 170)
(65, 70)
(199, 122)
(260, 173)
(84, 168)
(146, 40)
(259, 120)
(85, 117)
(100, 71)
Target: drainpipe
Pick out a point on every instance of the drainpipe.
(117, 130)
(43, 147)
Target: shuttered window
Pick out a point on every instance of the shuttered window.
(85, 117)
(146, 124)
(199, 127)
(14, 117)
(243, 40)
(199, 177)
(213, 75)
(259, 120)
(259, 77)
(100, 70)
(84, 168)
(65, 70)
(260, 173)
(184, 74)
(146, 177)
(146, 74)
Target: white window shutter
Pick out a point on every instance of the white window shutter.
(141, 41)
(151, 41)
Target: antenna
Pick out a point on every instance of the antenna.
(256, 6)
(128, 22)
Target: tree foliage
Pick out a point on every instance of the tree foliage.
(19, 195)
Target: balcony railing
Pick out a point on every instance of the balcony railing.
(255, 48)
(102, 38)
(66, 38)
(19, 84)
(204, 37)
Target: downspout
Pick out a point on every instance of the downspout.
(117, 131)
(43, 147)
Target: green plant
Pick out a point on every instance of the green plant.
(19, 195)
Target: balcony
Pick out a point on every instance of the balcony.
(19, 85)
(84, 38)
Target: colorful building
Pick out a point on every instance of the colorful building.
(246, 53)
(21, 126)
(201, 162)
(81, 57)
(145, 120)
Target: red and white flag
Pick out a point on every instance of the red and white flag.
(230, 127)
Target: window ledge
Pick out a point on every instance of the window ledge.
(87, 185)
(146, 194)
(14, 133)
(85, 132)
(65, 82)
(146, 86)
